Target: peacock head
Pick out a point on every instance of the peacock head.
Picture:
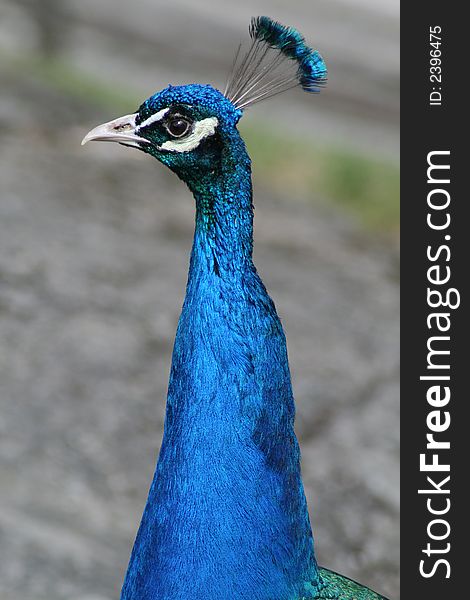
(185, 127)
(191, 128)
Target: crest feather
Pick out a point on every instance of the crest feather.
(266, 68)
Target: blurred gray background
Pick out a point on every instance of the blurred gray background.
(94, 246)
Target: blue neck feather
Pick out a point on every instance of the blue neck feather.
(226, 515)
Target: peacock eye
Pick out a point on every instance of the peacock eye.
(177, 127)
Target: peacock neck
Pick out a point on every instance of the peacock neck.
(223, 240)
(226, 514)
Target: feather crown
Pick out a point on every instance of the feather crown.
(266, 68)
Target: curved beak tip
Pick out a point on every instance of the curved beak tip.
(122, 129)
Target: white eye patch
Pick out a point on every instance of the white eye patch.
(158, 116)
(202, 129)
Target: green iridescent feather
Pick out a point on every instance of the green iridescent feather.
(334, 586)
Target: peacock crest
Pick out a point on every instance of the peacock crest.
(277, 60)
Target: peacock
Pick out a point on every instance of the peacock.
(226, 515)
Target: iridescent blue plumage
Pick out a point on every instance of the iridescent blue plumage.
(226, 515)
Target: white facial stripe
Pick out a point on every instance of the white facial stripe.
(158, 116)
(202, 129)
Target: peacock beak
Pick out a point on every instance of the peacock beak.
(120, 130)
